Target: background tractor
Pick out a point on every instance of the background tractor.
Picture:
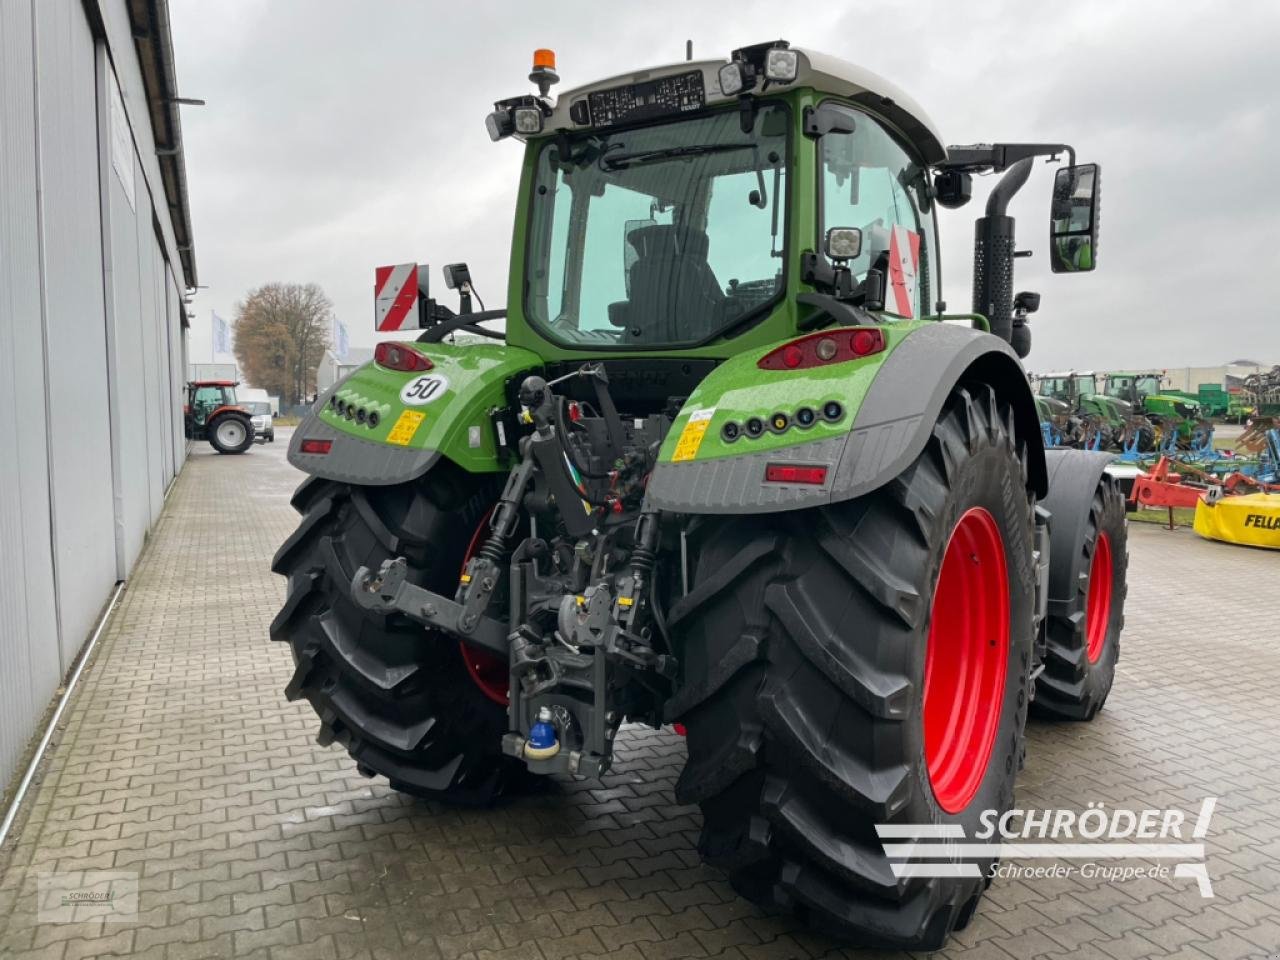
(1086, 418)
(727, 466)
(1165, 420)
(211, 413)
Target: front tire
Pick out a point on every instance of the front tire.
(396, 695)
(1083, 628)
(815, 691)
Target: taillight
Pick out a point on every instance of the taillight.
(795, 473)
(316, 446)
(400, 356)
(829, 346)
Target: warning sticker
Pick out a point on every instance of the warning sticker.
(405, 427)
(904, 261)
(692, 434)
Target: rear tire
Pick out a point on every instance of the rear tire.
(231, 433)
(1083, 631)
(806, 643)
(395, 694)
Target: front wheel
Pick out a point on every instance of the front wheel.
(859, 665)
(231, 433)
(1082, 631)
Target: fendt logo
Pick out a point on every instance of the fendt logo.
(1095, 838)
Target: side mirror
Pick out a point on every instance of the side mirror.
(1073, 219)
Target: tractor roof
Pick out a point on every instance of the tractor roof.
(825, 73)
(214, 383)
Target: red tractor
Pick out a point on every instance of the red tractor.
(211, 413)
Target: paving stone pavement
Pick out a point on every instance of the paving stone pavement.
(180, 760)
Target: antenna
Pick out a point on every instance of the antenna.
(688, 49)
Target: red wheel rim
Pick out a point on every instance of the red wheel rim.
(489, 671)
(965, 660)
(1098, 612)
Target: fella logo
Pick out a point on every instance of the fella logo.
(1261, 522)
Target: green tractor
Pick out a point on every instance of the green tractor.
(1084, 417)
(1164, 420)
(725, 466)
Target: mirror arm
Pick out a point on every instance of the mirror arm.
(998, 157)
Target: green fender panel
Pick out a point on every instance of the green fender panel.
(891, 402)
(420, 416)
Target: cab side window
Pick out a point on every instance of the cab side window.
(208, 396)
(870, 182)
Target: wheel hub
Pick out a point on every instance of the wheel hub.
(230, 433)
(488, 671)
(966, 660)
(1098, 610)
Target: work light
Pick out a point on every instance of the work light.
(843, 243)
(735, 77)
(781, 65)
(499, 124)
(528, 120)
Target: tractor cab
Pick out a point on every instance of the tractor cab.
(206, 397)
(706, 208)
(1133, 388)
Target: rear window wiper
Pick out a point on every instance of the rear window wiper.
(623, 160)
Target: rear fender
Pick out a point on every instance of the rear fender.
(410, 420)
(891, 401)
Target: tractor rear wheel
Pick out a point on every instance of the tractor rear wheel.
(861, 664)
(397, 696)
(1083, 629)
(1138, 435)
(231, 433)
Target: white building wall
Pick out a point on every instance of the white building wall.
(74, 327)
(29, 659)
(1190, 378)
(92, 339)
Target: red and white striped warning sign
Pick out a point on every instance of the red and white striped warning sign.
(904, 263)
(395, 294)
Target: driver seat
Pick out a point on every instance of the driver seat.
(675, 296)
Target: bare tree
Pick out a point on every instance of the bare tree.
(282, 332)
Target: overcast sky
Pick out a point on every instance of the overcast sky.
(339, 136)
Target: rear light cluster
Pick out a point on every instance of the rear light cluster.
(320, 447)
(804, 418)
(820, 349)
(400, 356)
(795, 473)
(360, 415)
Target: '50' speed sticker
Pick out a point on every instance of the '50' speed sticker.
(424, 389)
